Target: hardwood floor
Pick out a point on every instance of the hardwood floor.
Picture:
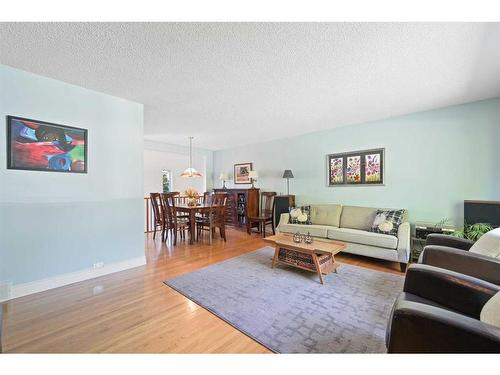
(133, 311)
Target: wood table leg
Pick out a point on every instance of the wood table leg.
(275, 258)
(191, 226)
(335, 265)
(318, 267)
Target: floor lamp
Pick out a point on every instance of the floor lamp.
(288, 175)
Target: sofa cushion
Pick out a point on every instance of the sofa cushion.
(363, 237)
(357, 217)
(326, 214)
(314, 230)
(488, 244)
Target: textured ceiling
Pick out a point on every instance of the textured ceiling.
(229, 84)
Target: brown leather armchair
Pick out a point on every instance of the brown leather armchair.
(438, 312)
(453, 254)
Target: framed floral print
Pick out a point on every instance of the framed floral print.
(356, 168)
(242, 173)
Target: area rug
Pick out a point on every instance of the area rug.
(289, 311)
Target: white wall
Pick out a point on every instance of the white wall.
(56, 223)
(159, 156)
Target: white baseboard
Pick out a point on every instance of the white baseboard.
(20, 290)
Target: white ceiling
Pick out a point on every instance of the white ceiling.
(230, 84)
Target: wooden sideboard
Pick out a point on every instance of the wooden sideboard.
(241, 203)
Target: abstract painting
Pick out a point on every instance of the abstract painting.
(241, 173)
(356, 168)
(43, 146)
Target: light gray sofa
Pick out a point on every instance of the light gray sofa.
(351, 224)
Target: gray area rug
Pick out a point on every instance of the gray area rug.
(289, 311)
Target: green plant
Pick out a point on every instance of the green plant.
(473, 231)
(441, 223)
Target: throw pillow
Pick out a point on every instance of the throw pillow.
(387, 222)
(300, 215)
(488, 244)
(490, 312)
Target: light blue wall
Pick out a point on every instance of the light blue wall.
(55, 223)
(434, 160)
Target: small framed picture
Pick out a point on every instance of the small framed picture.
(242, 173)
(43, 146)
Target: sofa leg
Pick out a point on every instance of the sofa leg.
(403, 266)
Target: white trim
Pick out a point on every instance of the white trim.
(20, 290)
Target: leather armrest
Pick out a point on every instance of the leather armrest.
(420, 328)
(476, 265)
(450, 241)
(452, 290)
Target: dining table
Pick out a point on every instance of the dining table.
(192, 211)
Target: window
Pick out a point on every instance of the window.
(167, 180)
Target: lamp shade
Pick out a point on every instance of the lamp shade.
(287, 173)
(223, 177)
(190, 172)
(253, 175)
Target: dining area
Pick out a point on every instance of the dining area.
(188, 217)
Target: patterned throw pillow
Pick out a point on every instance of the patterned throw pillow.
(387, 222)
(300, 215)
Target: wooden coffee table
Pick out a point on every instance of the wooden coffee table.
(317, 257)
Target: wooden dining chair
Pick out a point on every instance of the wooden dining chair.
(175, 223)
(158, 216)
(216, 217)
(265, 216)
(206, 197)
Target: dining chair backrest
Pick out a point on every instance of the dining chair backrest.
(156, 205)
(219, 199)
(267, 202)
(206, 197)
(168, 203)
(218, 205)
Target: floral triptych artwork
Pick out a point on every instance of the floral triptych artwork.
(356, 168)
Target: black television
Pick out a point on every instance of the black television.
(482, 212)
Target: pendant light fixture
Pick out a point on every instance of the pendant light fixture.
(190, 172)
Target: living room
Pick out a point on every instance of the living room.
(250, 187)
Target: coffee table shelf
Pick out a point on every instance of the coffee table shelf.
(317, 257)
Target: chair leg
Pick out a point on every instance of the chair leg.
(272, 226)
(163, 237)
(174, 229)
(154, 232)
(249, 226)
(263, 229)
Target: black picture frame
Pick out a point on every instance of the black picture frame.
(344, 156)
(10, 158)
